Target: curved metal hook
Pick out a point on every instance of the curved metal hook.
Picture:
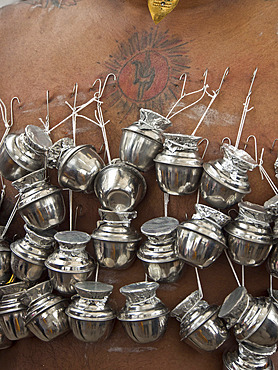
(101, 88)
(226, 138)
(3, 112)
(273, 144)
(184, 75)
(105, 82)
(206, 147)
(256, 145)
(225, 74)
(12, 113)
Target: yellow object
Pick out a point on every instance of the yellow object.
(12, 279)
(159, 9)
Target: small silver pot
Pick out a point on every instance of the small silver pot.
(158, 253)
(271, 207)
(70, 263)
(224, 182)
(179, 166)
(77, 165)
(200, 241)
(200, 324)
(249, 236)
(90, 316)
(249, 357)
(144, 317)
(30, 253)
(5, 260)
(120, 187)
(41, 205)
(24, 153)
(254, 319)
(45, 315)
(115, 241)
(143, 140)
(12, 311)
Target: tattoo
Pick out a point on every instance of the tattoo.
(51, 3)
(148, 67)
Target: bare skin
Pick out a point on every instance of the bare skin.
(44, 47)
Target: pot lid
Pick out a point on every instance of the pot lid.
(185, 306)
(159, 226)
(37, 138)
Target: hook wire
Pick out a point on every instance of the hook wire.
(255, 143)
(232, 267)
(166, 198)
(266, 175)
(199, 283)
(10, 219)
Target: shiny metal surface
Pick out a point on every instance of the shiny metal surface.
(142, 141)
(41, 205)
(255, 319)
(45, 315)
(249, 357)
(120, 187)
(78, 168)
(12, 311)
(179, 167)
(115, 240)
(225, 182)
(91, 318)
(200, 325)
(144, 317)
(70, 263)
(5, 261)
(30, 253)
(200, 241)
(272, 262)
(158, 253)
(249, 236)
(23, 153)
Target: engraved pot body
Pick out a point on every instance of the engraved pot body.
(115, 241)
(91, 317)
(200, 325)
(224, 182)
(200, 241)
(41, 205)
(249, 236)
(158, 253)
(30, 253)
(120, 187)
(12, 311)
(45, 316)
(143, 140)
(179, 166)
(144, 317)
(24, 153)
(5, 260)
(70, 263)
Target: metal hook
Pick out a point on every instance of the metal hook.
(79, 209)
(225, 74)
(256, 145)
(199, 282)
(226, 138)
(101, 88)
(206, 147)
(184, 75)
(273, 144)
(3, 112)
(12, 114)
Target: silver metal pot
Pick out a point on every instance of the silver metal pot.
(120, 187)
(70, 263)
(77, 165)
(30, 253)
(5, 260)
(179, 166)
(249, 236)
(158, 253)
(41, 205)
(12, 311)
(144, 317)
(249, 357)
(24, 153)
(142, 141)
(271, 207)
(45, 316)
(255, 320)
(115, 241)
(200, 241)
(200, 324)
(90, 316)
(224, 182)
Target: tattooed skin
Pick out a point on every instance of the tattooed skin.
(148, 66)
(52, 3)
